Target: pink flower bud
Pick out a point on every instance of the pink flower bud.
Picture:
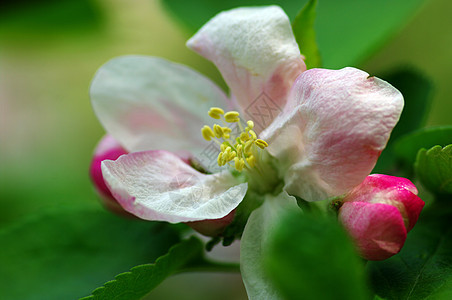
(379, 213)
(107, 148)
(212, 227)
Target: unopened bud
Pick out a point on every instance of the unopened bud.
(379, 213)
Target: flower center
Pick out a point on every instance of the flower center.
(239, 145)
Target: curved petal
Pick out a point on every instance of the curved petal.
(254, 239)
(150, 103)
(377, 229)
(256, 52)
(157, 185)
(332, 130)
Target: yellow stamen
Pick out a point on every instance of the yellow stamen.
(239, 150)
(248, 146)
(261, 143)
(244, 137)
(218, 131)
(207, 133)
(232, 117)
(232, 155)
(251, 160)
(237, 147)
(239, 163)
(253, 134)
(220, 159)
(215, 112)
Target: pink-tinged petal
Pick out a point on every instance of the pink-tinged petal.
(339, 121)
(108, 148)
(255, 51)
(150, 103)
(377, 229)
(159, 186)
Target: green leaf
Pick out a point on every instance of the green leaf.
(65, 254)
(407, 147)
(434, 169)
(49, 17)
(344, 40)
(303, 29)
(312, 256)
(417, 93)
(424, 266)
(142, 279)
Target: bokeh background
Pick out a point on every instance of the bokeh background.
(50, 50)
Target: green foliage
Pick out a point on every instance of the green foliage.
(417, 93)
(423, 269)
(303, 29)
(407, 147)
(49, 16)
(144, 278)
(434, 169)
(313, 256)
(65, 254)
(344, 39)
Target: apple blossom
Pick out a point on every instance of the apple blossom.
(332, 127)
(379, 213)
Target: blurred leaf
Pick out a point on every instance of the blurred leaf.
(65, 254)
(313, 257)
(417, 93)
(142, 279)
(344, 39)
(49, 16)
(407, 147)
(424, 266)
(434, 168)
(303, 29)
(444, 292)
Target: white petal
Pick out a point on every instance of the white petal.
(159, 186)
(253, 244)
(149, 103)
(332, 130)
(256, 52)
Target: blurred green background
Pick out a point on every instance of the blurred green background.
(50, 50)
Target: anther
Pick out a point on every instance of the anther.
(232, 117)
(215, 112)
(244, 137)
(220, 159)
(218, 130)
(261, 143)
(207, 133)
